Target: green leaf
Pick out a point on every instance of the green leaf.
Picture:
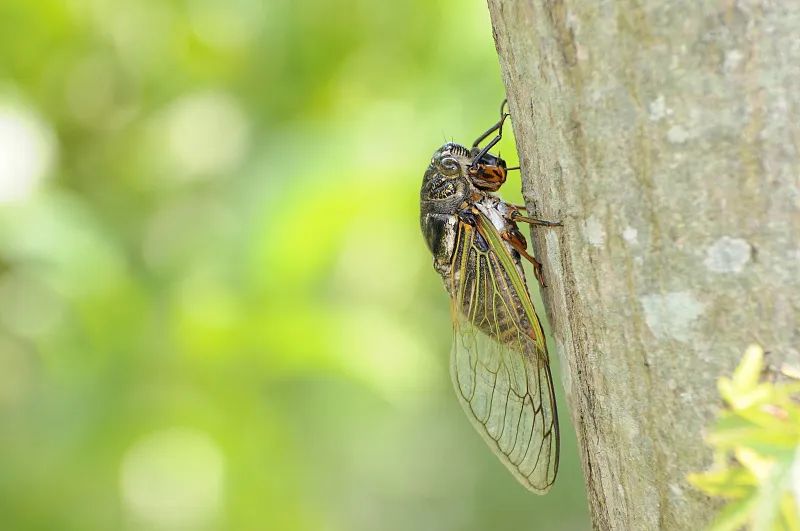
(755, 443)
(734, 516)
(745, 377)
(734, 483)
(789, 515)
(767, 509)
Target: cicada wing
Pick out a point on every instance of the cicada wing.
(499, 362)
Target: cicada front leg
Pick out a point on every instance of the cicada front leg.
(516, 216)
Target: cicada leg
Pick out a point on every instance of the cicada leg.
(499, 128)
(496, 127)
(538, 271)
(519, 244)
(516, 216)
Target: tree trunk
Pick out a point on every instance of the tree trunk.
(665, 135)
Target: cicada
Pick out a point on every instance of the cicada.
(499, 361)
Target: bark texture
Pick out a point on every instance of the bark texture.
(665, 135)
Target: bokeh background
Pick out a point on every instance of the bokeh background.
(216, 309)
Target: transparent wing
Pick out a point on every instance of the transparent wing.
(499, 361)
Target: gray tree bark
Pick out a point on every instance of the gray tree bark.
(665, 135)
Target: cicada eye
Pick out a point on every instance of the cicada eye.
(449, 166)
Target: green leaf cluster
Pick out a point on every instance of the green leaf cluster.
(756, 442)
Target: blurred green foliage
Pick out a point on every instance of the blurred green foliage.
(216, 309)
(756, 443)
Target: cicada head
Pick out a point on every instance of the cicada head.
(446, 182)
